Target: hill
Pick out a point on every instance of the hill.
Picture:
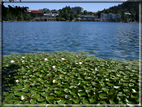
(129, 11)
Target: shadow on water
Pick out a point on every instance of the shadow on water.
(8, 79)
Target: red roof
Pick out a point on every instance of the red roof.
(34, 11)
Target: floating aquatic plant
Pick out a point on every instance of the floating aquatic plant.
(68, 78)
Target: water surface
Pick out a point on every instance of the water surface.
(113, 40)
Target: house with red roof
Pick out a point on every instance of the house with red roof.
(34, 11)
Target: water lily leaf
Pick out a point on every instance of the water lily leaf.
(88, 91)
(61, 101)
(94, 83)
(58, 92)
(102, 84)
(88, 78)
(120, 94)
(111, 92)
(33, 101)
(85, 101)
(7, 98)
(76, 100)
(133, 97)
(92, 100)
(16, 93)
(68, 96)
(41, 99)
(111, 101)
(66, 90)
(126, 90)
(69, 101)
(33, 91)
(27, 102)
(103, 95)
(50, 97)
(44, 102)
(25, 89)
(11, 101)
(80, 94)
(105, 90)
(19, 87)
(102, 102)
(73, 92)
(130, 102)
(35, 96)
(44, 94)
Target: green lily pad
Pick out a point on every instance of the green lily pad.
(41, 99)
(58, 92)
(33, 101)
(61, 101)
(51, 97)
(66, 90)
(35, 96)
(103, 95)
(105, 90)
(80, 94)
(76, 100)
(102, 102)
(25, 89)
(92, 100)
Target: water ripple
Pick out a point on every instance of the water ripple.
(113, 40)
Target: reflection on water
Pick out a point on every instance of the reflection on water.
(113, 40)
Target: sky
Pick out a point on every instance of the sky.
(93, 7)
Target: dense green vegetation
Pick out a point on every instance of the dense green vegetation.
(68, 78)
(66, 14)
(13, 13)
(17, 13)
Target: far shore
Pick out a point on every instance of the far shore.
(67, 21)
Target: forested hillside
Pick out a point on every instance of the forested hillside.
(126, 7)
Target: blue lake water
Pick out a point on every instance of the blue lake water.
(113, 40)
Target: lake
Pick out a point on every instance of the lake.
(113, 40)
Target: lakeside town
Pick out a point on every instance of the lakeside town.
(121, 13)
(48, 15)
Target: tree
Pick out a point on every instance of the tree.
(58, 18)
(63, 19)
(76, 15)
(85, 12)
(71, 17)
(78, 11)
(90, 13)
(28, 17)
(66, 16)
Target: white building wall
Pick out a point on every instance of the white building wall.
(109, 16)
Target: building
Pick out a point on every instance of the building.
(50, 14)
(87, 17)
(109, 16)
(104, 16)
(127, 13)
(55, 13)
(74, 9)
(34, 11)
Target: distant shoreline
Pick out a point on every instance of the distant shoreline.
(67, 21)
